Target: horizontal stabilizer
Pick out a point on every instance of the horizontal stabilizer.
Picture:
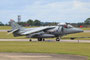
(11, 31)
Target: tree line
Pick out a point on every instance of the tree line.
(37, 22)
(31, 22)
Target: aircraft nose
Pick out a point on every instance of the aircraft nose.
(79, 30)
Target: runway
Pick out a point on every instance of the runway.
(39, 56)
(48, 40)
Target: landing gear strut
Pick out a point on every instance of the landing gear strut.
(58, 39)
(41, 39)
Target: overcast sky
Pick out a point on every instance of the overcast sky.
(45, 10)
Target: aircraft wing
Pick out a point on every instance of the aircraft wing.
(35, 30)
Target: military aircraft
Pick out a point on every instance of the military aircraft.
(43, 32)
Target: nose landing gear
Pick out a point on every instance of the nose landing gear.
(58, 39)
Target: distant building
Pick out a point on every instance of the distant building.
(19, 18)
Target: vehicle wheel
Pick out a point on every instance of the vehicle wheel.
(57, 39)
(30, 40)
(39, 39)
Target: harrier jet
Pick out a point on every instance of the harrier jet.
(43, 32)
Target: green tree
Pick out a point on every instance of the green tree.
(37, 23)
(22, 23)
(1, 24)
(87, 21)
(30, 22)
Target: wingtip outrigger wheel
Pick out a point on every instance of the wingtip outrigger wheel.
(72, 38)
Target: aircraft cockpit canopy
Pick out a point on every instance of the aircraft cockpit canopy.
(68, 26)
(65, 25)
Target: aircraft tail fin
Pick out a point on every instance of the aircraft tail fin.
(15, 28)
(14, 25)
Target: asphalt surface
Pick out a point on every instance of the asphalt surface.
(50, 40)
(39, 56)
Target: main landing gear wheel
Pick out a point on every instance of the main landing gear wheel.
(57, 39)
(30, 40)
(41, 39)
